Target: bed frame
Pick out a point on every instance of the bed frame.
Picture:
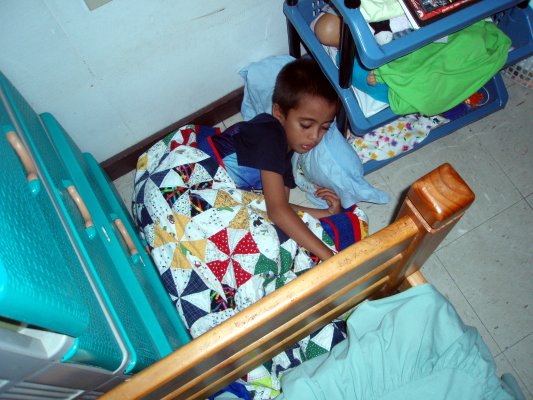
(378, 266)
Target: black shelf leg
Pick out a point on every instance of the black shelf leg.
(292, 34)
(294, 41)
(347, 57)
(342, 120)
(352, 3)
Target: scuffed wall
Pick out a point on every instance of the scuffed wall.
(117, 74)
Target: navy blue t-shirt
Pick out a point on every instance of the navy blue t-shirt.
(260, 143)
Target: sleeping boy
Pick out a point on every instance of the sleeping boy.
(257, 153)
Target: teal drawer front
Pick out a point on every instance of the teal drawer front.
(135, 315)
(145, 270)
(33, 135)
(60, 264)
(34, 287)
(100, 344)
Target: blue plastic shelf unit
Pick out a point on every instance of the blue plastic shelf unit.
(514, 21)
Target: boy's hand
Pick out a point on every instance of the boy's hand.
(334, 203)
(281, 213)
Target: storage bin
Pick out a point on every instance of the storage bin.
(37, 278)
(521, 72)
(514, 21)
(496, 99)
(138, 320)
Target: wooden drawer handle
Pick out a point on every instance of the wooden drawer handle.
(126, 236)
(86, 215)
(22, 153)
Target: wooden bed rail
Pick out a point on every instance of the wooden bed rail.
(375, 267)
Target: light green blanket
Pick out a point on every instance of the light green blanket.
(439, 76)
(409, 346)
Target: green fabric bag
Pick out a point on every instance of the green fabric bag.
(439, 76)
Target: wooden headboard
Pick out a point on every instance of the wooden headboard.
(378, 266)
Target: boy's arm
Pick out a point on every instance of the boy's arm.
(315, 212)
(281, 213)
(331, 198)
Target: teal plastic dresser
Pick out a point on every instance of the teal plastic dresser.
(81, 303)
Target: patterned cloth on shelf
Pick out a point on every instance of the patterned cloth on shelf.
(216, 250)
(397, 137)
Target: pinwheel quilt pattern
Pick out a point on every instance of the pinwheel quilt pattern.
(216, 250)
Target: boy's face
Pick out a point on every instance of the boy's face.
(306, 124)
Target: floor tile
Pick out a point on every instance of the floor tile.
(521, 357)
(380, 215)
(494, 190)
(232, 120)
(509, 138)
(307, 203)
(124, 186)
(439, 277)
(493, 267)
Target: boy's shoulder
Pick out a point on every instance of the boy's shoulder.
(262, 124)
(262, 119)
(259, 136)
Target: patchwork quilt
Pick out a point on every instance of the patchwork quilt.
(216, 250)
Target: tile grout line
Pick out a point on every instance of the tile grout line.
(518, 341)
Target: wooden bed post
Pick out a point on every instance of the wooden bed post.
(435, 202)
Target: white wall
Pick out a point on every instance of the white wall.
(119, 73)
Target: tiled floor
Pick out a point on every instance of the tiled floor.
(485, 266)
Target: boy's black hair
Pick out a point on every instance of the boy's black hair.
(299, 78)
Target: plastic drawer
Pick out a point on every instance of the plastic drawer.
(139, 319)
(29, 268)
(31, 367)
(300, 16)
(497, 98)
(57, 264)
(144, 269)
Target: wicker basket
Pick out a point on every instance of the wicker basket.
(521, 72)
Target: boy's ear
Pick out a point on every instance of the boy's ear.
(277, 112)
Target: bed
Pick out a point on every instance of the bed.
(378, 266)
